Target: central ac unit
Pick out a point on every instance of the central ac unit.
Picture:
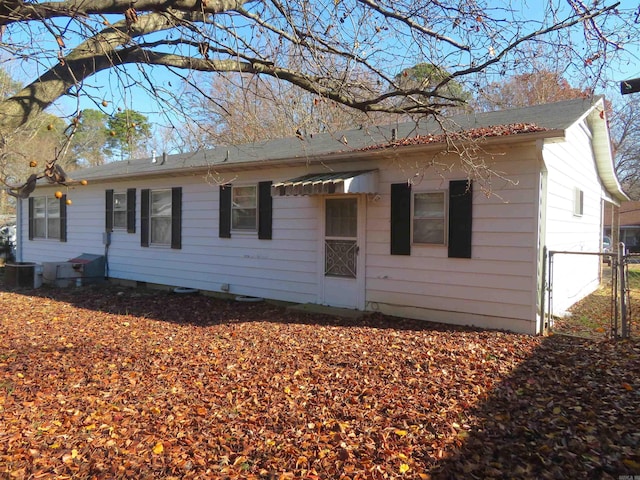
(59, 274)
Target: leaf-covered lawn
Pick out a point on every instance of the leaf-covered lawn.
(592, 316)
(119, 383)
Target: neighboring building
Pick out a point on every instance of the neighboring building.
(370, 219)
(629, 225)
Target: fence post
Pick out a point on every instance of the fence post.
(624, 333)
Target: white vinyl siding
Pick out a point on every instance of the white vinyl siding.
(284, 268)
(573, 186)
(496, 287)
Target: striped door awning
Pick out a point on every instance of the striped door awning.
(361, 181)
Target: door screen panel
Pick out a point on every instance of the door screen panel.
(342, 218)
(341, 231)
(340, 258)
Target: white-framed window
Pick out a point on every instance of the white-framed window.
(429, 217)
(119, 210)
(578, 202)
(46, 217)
(160, 217)
(244, 208)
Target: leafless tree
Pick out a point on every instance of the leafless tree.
(249, 108)
(99, 49)
(525, 89)
(625, 130)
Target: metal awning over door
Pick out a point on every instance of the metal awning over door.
(361, 181)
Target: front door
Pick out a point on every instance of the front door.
(342, 276)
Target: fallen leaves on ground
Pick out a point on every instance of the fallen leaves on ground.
(594, 316)
(118, 383)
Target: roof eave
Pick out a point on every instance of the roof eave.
(327, 158)
(603, 153)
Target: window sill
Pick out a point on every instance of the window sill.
(244, 233)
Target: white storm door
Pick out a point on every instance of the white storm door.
(341, 265)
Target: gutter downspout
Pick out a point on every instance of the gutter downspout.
(19, 230)
(541, 322)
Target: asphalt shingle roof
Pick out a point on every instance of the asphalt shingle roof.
(553, 117)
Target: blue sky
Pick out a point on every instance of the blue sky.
(110, 86)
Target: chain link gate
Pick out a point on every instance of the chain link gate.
(620, 294)
(620, 316)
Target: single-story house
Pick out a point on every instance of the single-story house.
(629, 221)
(384, 219)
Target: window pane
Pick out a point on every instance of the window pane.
(161, 203)
(342, 217)
(40, 227)
(119, 210)
(53, 208)
(243, 218)
(428, 231)
(39, 207)
(428, 205)
(53, 227)
(161, 230)
(160, 221)
(244, 197)
(119, 219)
(119, 201)
(429, 218)
(244, 211)
(46, 217)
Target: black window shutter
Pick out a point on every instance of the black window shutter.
(63, 218)
(400, 219)
(144, 217)
(224, 230)
(265, 211)
(31, 219)
(460, 215)
(108, 211)
(176, 217)
(131, 210)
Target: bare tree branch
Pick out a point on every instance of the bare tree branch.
(351, 52)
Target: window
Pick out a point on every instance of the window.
(429, 218)
(244, 208)
(120, 208)
(48, 218)
(425, 214)
(161, 217)
(578, 202)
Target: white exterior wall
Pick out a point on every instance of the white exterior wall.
(571, 164)
(283, 268)
(496, 288)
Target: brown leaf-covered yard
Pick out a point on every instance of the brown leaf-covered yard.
(102, 383)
